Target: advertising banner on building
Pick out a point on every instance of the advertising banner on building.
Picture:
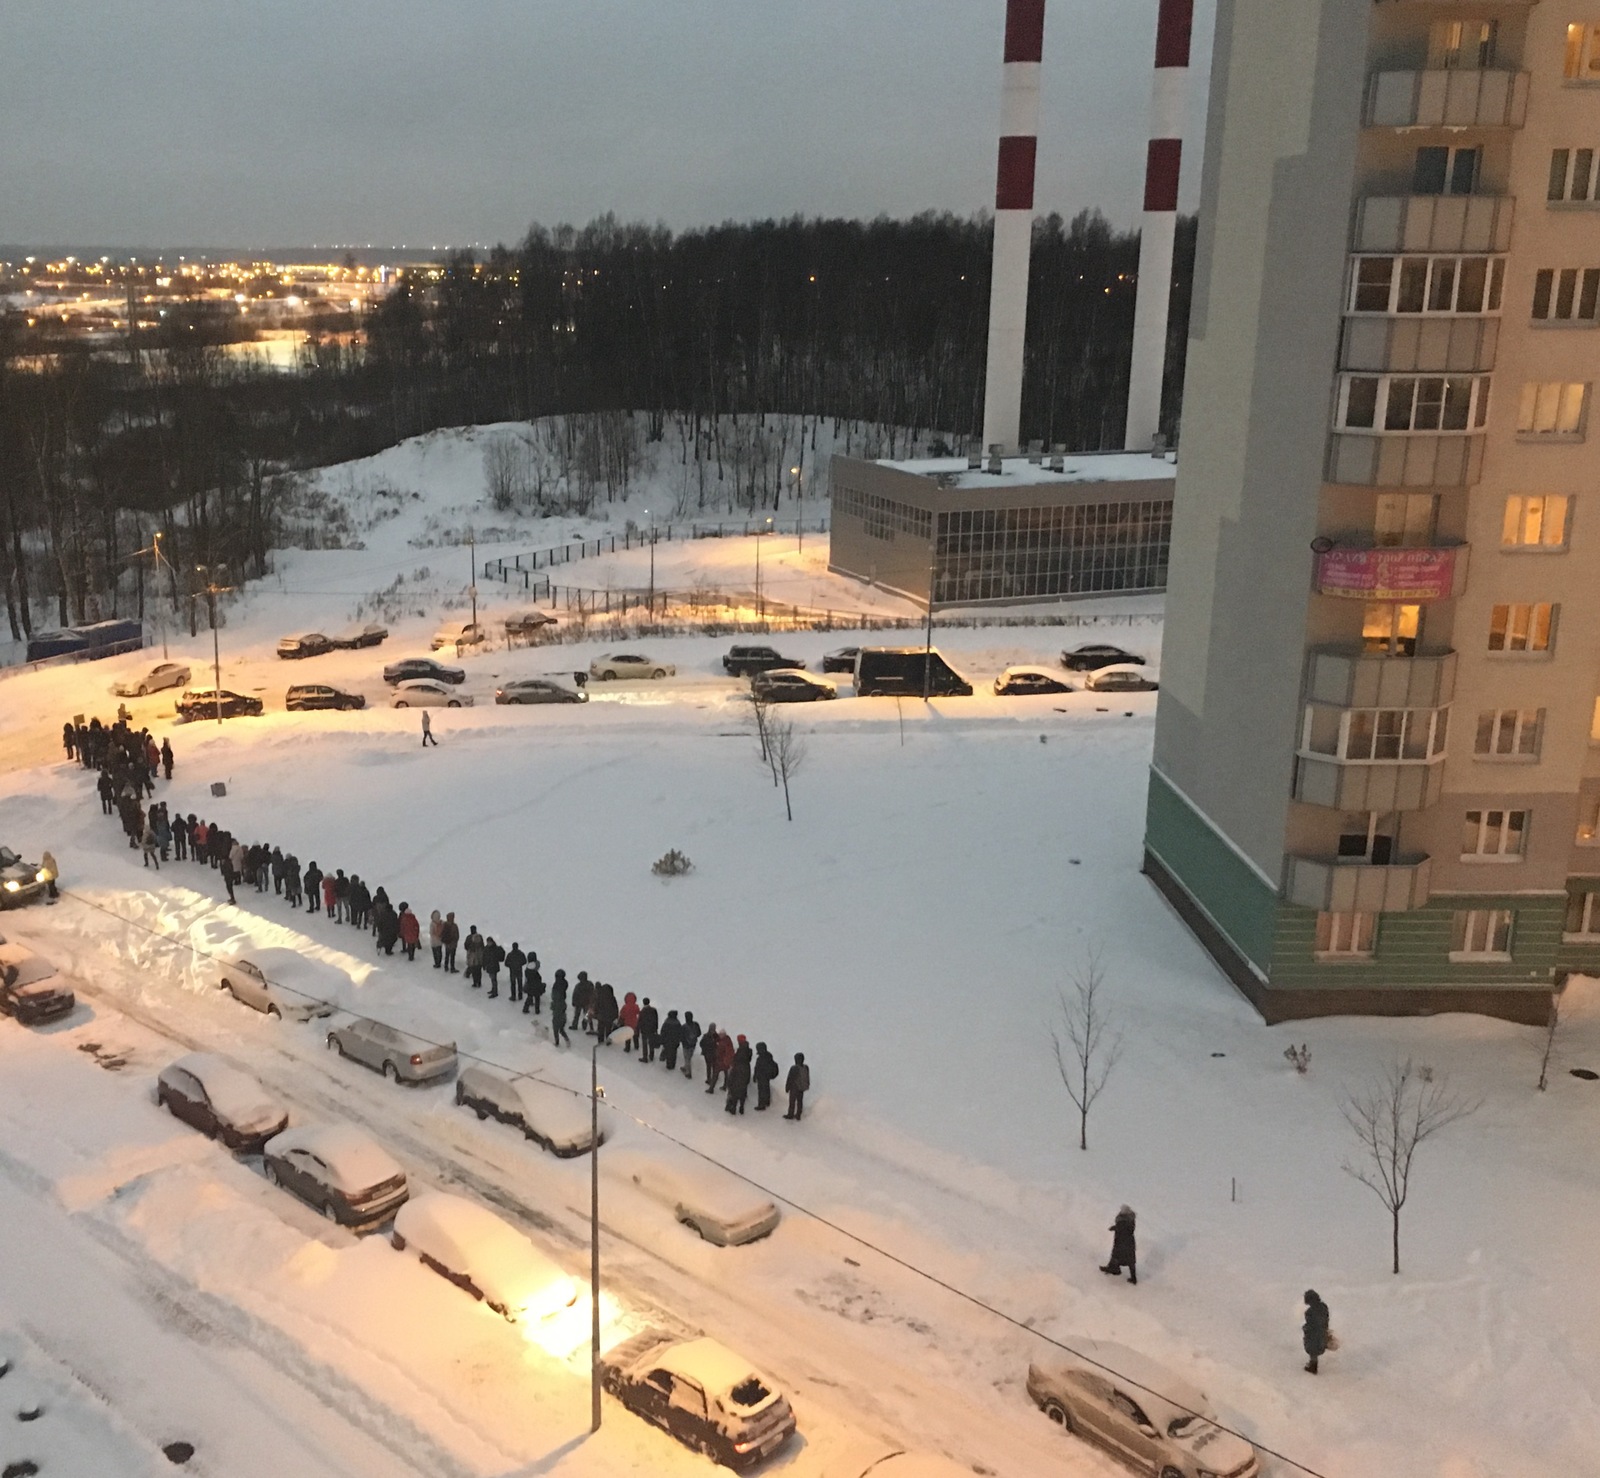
(1388, 574)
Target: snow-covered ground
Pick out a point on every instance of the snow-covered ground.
(949, 866)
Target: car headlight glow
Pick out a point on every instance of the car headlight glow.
(12, 885)
(41, 876)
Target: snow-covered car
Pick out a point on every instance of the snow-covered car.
(709, 1398)
(220, 1101)
(1015, 681)
(745, 661)
(425, 692)
(152, 679)
(20, 882)
(276, 982)
(1174, 1434)
(1094, 655)
(306, 697)
(204, 703)
(1122, 678)
(629, 664)
(337, 1170)
(538, 690)
(311, 644)
(527, 625)
(552, 1117)
(32, 1002)
(840, 659)
(484, 1256)
(408, 668)
(721, 1207)
(459, 634)
(370, 635)
(399, 1056)
(786, 685)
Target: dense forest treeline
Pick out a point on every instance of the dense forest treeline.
(881, 321)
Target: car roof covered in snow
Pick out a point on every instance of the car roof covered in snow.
(472, 1231)
(554, 1110)
(1127, 669)
(1163, 1394)
(356, 1160)
(676, 1175)
(231, 1090)
(713, 1365)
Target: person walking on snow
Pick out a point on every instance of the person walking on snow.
(47, 865)
(558, 1010)
(797, 1085)
(410, 932)
(764, 1072)
(604, 1006)
(436, 938)
(166, 758)
(739, 1078)
(69, 740)
(148, 841)
(515, 960)
(533, 989)
(582, 995)
(1314, 1335)
(725, 1055)
(1124, 1252)
(427, 731)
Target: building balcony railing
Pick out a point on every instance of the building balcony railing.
(1349, 885)
(1405, 575)
(1454, 98)
(1412, 344)
(1368, 785)
(1434, 223)
(1450, 459)
(1352, 678)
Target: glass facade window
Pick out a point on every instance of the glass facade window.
(1521, 628)
(1411, 403)
(1566, 295)
(1389, 629)
(1494, 833)
(881, 517)
(1572, 175)
(1481, 934)
(1509, 734)
(1437, 285)
(1346, 936)
(1589, 819)
(1405, 520)
(1535, 521)
(1581, 62)
(1552, 408)
(1375, 735)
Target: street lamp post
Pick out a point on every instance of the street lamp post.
(652, 607)
(596, 1093)
(799, 514)
(927, 645)
(212, 590)
(761, 607)
(472, 558)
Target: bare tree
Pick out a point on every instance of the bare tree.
(1552, 1031)
(788, 753)
(1390, 1118)
(1086, 1045)
(761, 714)
(502, 472)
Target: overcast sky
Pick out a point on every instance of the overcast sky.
(288, 122)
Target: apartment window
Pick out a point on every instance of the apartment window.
(1346, 936)
(1443, 170)
(1481, 934)
(1427, 284)
(1522, 628)
(1367, 836)
(1535, 521)
(1498, 834)
(1405, 520)
(1414, 403)
(1509, 734)
(1582, 62)
(1390, 629)
(1583, 915)
(1572, 178)
(1552, 408)
(1566, 295)
(1371, 735)
(1589, 819)
(1462, 45)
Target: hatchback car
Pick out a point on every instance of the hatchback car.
(20, 882)
(742, 661)
(32, 1002)
(162, 675)
(787, 686)
(399, 1056)
(484, 1256)
(718, 1205)
(370, 635)
(549, 1115)
(1015, 681)
(409, 668)
(1094, 655)
(459, 634)
(629, 664)
(425, 692)
(203, 703)
(337, 1170)
(276, 982)
(840, 659)
(306, 697)
(1172, 1435)
(221, 1101)
(312, 644)
(538, 690)
(1123, 678)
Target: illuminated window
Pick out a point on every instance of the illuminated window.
(1582, 60)
(1390, 629)
(1509, 734)
(1535, 521)
(1552, 408)
(1521, 628)
(1493, 834)
(1346, 935)
(1481, 934)
(1462, 45)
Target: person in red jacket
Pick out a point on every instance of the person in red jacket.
(330, 896)
(724, 1057)
(629, 1017)
(410, 932)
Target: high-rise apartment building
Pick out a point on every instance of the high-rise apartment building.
(1376, 780)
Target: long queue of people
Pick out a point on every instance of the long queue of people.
(128, 763)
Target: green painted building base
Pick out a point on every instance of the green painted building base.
(1267, 947)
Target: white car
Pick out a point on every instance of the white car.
(629, 664)
(552, 1117)
(1124, 677)
(722, 1208)
(484, 1256)
(162, 675)
(399, 1056)
(220, 1100)
(277, 982)
(424, 692)
(459, 634)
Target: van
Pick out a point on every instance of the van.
(899, 671)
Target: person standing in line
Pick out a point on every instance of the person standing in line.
(427, 731)
(473, 948)
(688, 1039)
(69, 740)
(436, 939)
(764, 1073)
(515, 960)
(291, 880)
(275, 865)
(739, 1078)
(671, 1035)
(558, 1010)
(797, 1085)
(341, 896)
(708, 1054)
(605, 1011)
(1124, 1248)
(313, 880)
(582, 994)
(104, 787)
(225, 867)
(1314, 1333)
(533, 991)
(493, 956)
(649, 1030)
(450, 937)
(330, 894)
(628, 1016)
(166, 758)
(725, 1055)
(180, 838)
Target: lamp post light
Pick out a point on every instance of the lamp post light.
(596, 1093)
(213, 575)
(799, 513)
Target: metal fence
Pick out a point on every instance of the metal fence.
(67, 659)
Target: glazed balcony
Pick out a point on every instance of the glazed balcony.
(1434, 223)
(1353, 678)
(1453, 98)
(1351, 885)
(1413, 344)
(1408, 460)
(1383, 785)
(1406, 575)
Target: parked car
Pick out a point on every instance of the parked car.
(899, 671)
(784, 685)
(20, 882)
(742, 661)
(840, 659)
(1015, 681)
(32, 1002)
(629, 664)
(277, 982)
(459, 634)
(1154, 1434)
(337, 1170)
(1123, 678)
(370, 635)
(538, 690)
(221, 1101)
(425, 692)
(202, 703)
(409, 668)
(527, 626)
(397, 1055)
(550, 1116)
(152, 679)
(706, 1396)
(305, 697)
(1094, 655)
(312, 644)
(484, 1256)
(718, 1205)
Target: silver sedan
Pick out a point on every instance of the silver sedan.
(162, 675)
(629, 664)
(399, 1057)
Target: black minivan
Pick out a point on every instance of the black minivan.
(899, 671)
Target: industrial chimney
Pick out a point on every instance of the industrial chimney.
(1013, 224)
(1163, 164)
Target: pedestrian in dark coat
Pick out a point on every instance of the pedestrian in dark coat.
(558, 1010)
(180, 837)
(1314, 1332)
(649, 1029)
(708, 1054)
(671, 1030)
(604, 1005)
(739, 1078)
(688, 1039)
(582, 996)
(69, 740)
(103, 786)
(166, 758)
(387, 927)
(410, 932)
(472, 947)
(1124, 1253)
(797, 1085)
(291, 880)
(533, 990)
(450, 937)
(275, 862)
(764, 1072)
(313, 881)
(515, 960)
(225, 867)
(493, 958)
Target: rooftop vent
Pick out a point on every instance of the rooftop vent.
(994, 457)
(1035, 452)
(974, 457)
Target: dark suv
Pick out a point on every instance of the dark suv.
(199, 703)
(742, 661)
(409, 668)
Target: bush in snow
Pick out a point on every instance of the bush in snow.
(673, 865)
(1300, 1056)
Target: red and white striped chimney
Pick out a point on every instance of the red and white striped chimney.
(1013, 223)
(1163, 164)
